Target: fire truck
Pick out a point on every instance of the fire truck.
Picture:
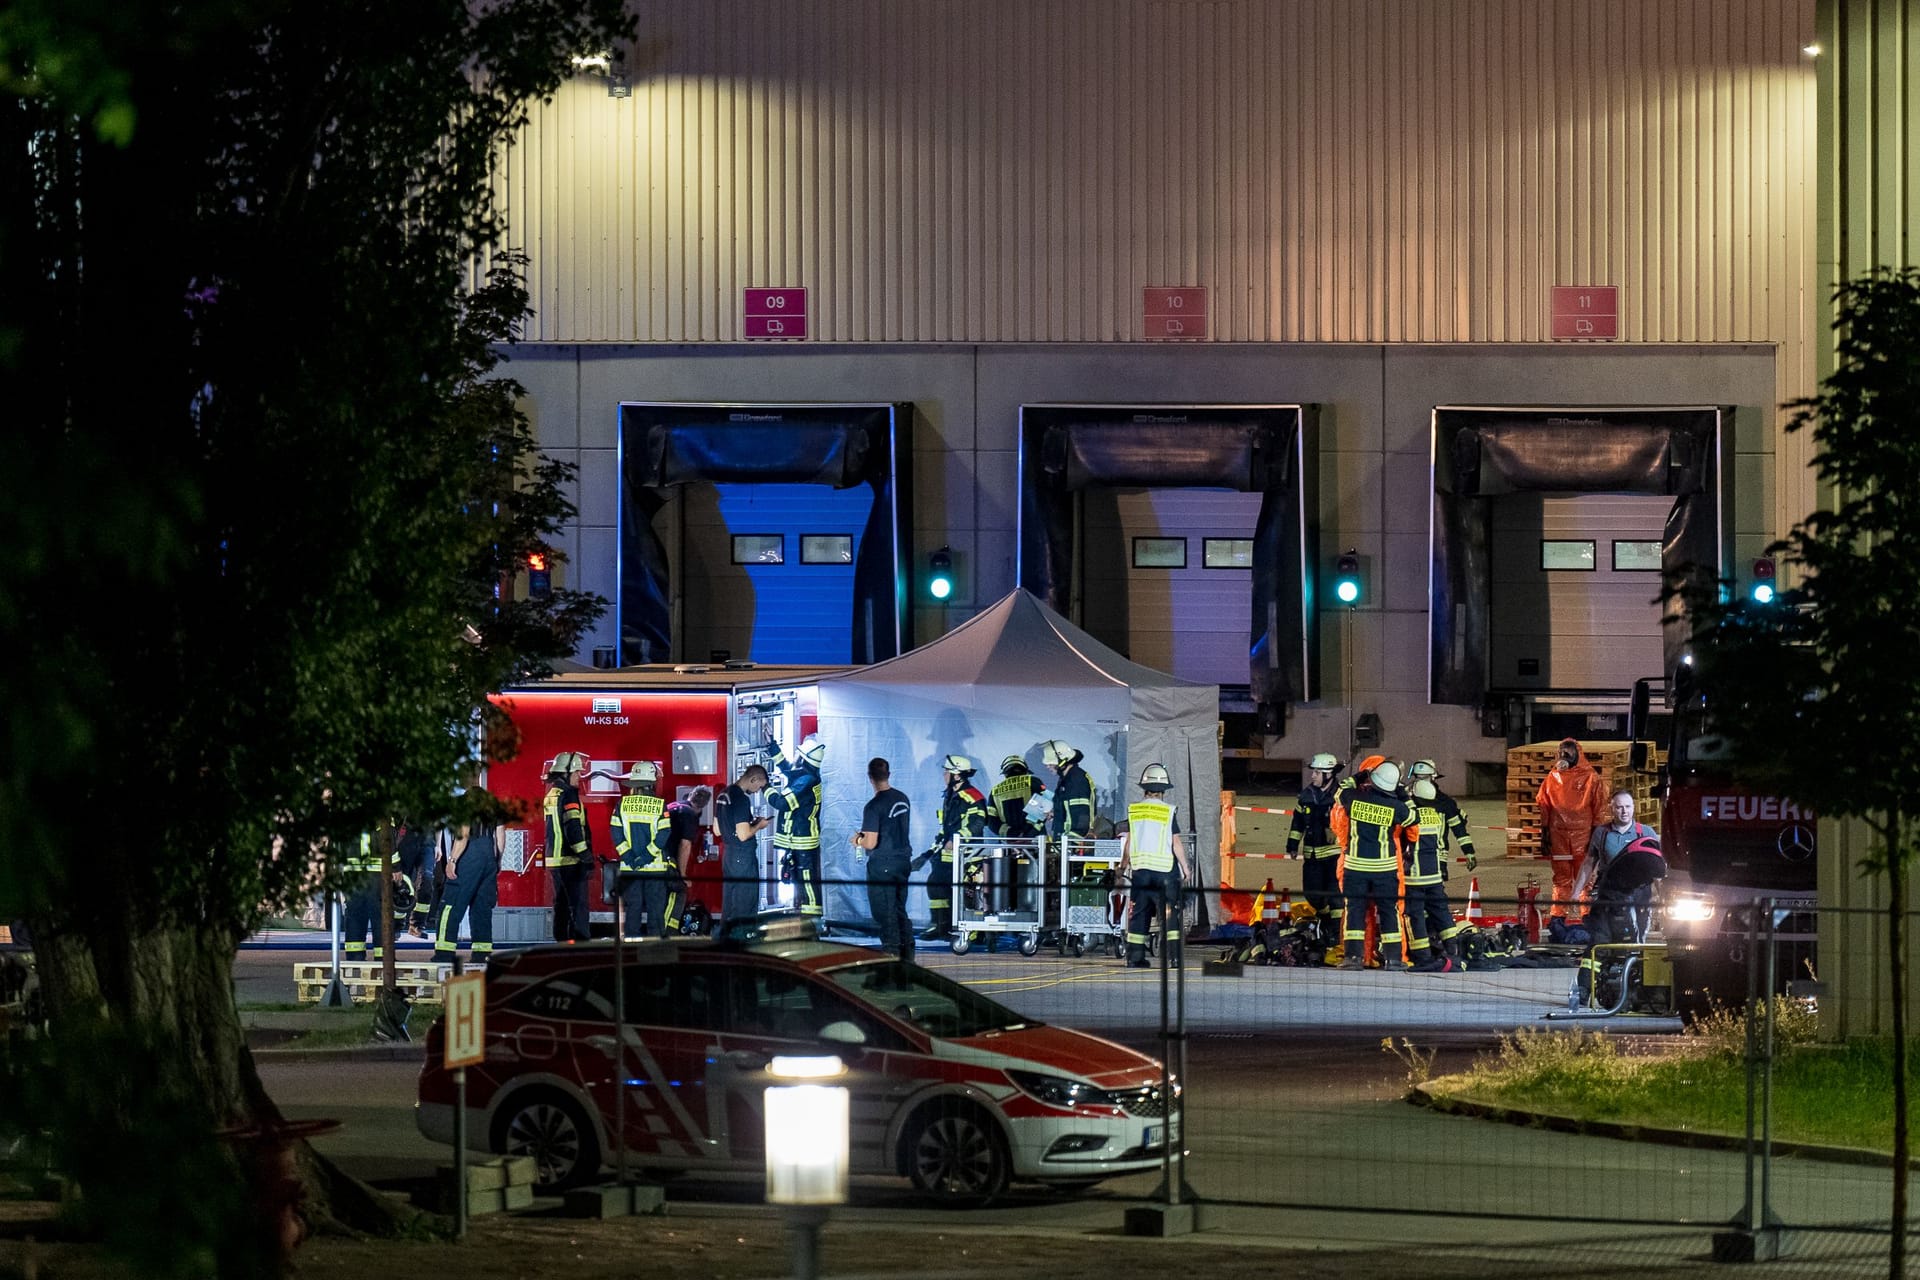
(701, 724)
(1729, 849)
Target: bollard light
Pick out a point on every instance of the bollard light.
(807, 1125)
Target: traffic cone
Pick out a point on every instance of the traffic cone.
(1474, 914)
(1286, 904)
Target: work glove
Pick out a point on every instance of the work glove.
(1473, 862)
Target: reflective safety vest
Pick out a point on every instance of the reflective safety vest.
(639, 834)
(1009, 797)
(962, 812)
(1370, 824)
(366, 859)
(1423, 855)
(1150, 835)
(797, 811)
(1312, 814)
(567, 843)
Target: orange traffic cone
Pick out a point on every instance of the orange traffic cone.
(1286, 904)
(1474, 914)
(1270, 905)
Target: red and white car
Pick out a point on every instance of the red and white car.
(949, 1089)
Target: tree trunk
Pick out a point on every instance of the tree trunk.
(1897, 987)
(166, 995)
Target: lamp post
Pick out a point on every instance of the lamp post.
(806, 1150)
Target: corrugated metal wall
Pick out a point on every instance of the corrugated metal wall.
(1332, 170)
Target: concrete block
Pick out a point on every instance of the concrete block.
(1160, 1220)
(610, 1200)
(1761, 1244)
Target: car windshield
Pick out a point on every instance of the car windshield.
(936, 1005)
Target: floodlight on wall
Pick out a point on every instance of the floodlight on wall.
(603, 64)
(1811, 50)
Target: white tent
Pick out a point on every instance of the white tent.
(1000, 685)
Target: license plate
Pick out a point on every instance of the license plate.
(1154, 1135)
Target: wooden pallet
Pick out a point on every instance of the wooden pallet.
(1529, 765)
(416, 980)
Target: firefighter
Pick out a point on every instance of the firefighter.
(1155, 856)
(569, 847)
(472, 873)
(686, 831)
(648, 874)
(962, 812)
(1072, 791)
(1426, 919)
(360, 913)
(1007, 815)
(795, 801)
(1310, 836)
(1371, 826)
(1572, 803)
(1449, 808)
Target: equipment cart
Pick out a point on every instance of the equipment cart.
(1093, 903)
(997, 889)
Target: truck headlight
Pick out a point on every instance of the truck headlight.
(1692, 907)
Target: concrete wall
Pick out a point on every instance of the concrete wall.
(1374, 461)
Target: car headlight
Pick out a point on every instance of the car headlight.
(1059, 1091)
(1692, 908)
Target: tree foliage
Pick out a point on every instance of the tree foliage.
(1818, 692)
(263, 488)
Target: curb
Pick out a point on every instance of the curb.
(410, 1051)
(1421, 1096)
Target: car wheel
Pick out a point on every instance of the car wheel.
(553, 1130)
(957, 1157)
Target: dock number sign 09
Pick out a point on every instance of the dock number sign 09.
(466, 998)
(774, 314)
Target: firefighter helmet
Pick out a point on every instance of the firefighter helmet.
(1154, 778)
(957, 764)
(1325, 761)
(642, 772)
(1386, 776)
(812, 750)
(1646, 844)
(1011, 763)
(1423, 769)
(1057, 754)
(566, 762)
(1423, 789)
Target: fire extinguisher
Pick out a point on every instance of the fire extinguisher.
(1529, 912)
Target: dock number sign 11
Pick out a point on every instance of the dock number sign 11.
(774, 314)
(1586, 312)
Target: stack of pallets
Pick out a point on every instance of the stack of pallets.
(417, 980)
(1528, 767)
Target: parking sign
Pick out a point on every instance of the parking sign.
(466, 998)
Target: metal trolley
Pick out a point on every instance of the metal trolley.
(994, 893)
(1093, 905)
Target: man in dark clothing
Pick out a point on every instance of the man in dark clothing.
(416, 867)
(685, 833)
(962, 812)
(1616, 914)
(795, 801)
(1372, 823)
(569, 847)
(887, 845)
(739, 834)
(471, 870)
(1072, 791)
(647, 878)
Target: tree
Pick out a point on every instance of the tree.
(261, 499)
(1817, 692)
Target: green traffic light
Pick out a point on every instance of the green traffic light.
(1347, 591)
(940, 574)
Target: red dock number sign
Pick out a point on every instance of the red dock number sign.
(773, 313)
(1586, 311)
(466, 998)
(1173, 313)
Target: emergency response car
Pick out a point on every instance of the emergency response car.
(949, 1089)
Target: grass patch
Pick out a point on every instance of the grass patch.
(342, 1028)
(1835, 1095)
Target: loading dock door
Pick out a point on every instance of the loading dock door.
(688, 471)
(1167, 578)
(1482, 454)
(768, 571)
(1576, 587)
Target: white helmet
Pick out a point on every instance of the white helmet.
(1325, 761)
(1423, 789)
(1056, 753)
(642, 771)
(1154, 778)
(812, 750)
(1423, 769)
(567, 762)
(1386, 776)
(957, 764)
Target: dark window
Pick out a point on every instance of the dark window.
(784, 1005)
(574, 997)
(1159, 553)
(1227, 553)
(1636, 556)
